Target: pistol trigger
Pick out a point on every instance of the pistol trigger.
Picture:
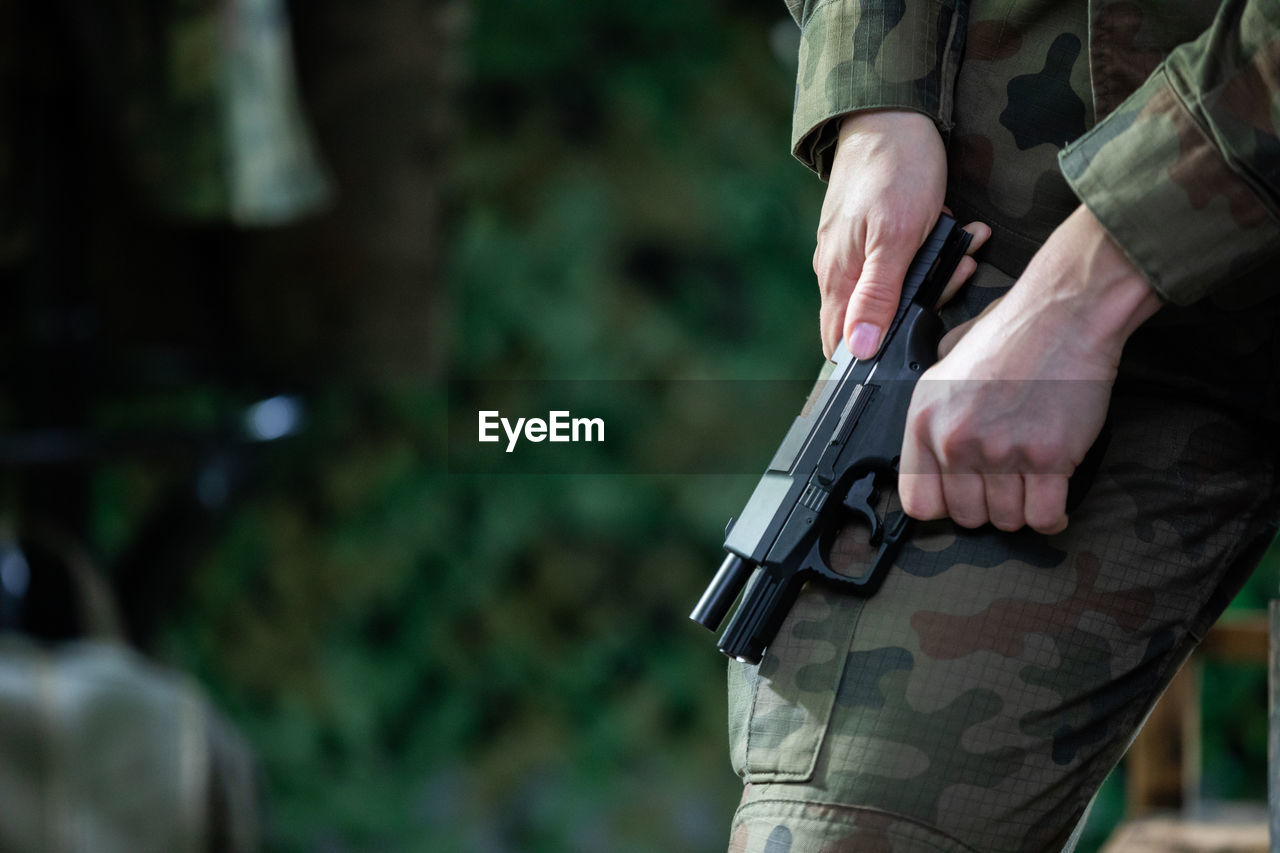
(859, 500)
(898, 525)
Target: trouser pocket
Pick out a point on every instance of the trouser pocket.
(779, 711)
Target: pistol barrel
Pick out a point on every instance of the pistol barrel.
(765, 604)
(720, 593)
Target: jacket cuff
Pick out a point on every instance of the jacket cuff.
(858, 55)
(1153, 177)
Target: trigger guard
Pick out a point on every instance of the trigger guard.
(869, 581)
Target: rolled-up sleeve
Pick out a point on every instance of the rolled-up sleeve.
(1185, 174)
(871, 54)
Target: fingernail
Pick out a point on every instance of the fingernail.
(865, 340)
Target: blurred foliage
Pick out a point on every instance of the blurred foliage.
(427, 661)
(626, 205)
(1234, 705)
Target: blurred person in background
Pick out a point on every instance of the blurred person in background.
(122, 125)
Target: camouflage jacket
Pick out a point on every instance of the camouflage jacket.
(1162, 116)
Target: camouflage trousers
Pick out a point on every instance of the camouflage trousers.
(978, 700)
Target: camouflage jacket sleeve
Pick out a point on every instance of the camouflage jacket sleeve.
(1185, 174)
(857, 54)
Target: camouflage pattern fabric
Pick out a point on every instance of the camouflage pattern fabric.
(866, 55)
(978, 700)
(1159, 115)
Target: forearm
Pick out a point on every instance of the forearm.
(1083, 279)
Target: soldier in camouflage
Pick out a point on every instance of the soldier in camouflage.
(1121, 162)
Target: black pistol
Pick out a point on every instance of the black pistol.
(840, 452)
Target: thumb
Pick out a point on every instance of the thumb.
(875, 297)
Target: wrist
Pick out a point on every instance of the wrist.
(886, 121)
(1084, 273)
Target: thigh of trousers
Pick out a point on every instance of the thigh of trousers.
(977, 701)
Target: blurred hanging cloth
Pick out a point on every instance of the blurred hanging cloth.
(197, 99)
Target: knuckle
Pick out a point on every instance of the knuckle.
(821, 260)
(918, 429)
(1043, 455)
(997, 453)
(876, 295)
(955, 445)
(834, 281)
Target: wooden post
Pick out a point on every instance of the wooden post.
(1273, 727)
(1163, 764)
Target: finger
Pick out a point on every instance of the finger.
(830, 317)
(965, 496)
(1045, 502)
(920, 483)
(980, 232)
(836, 279)
(1005, 500)
(875, 296)
(966, 268)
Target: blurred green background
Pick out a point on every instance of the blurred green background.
(432, 661)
